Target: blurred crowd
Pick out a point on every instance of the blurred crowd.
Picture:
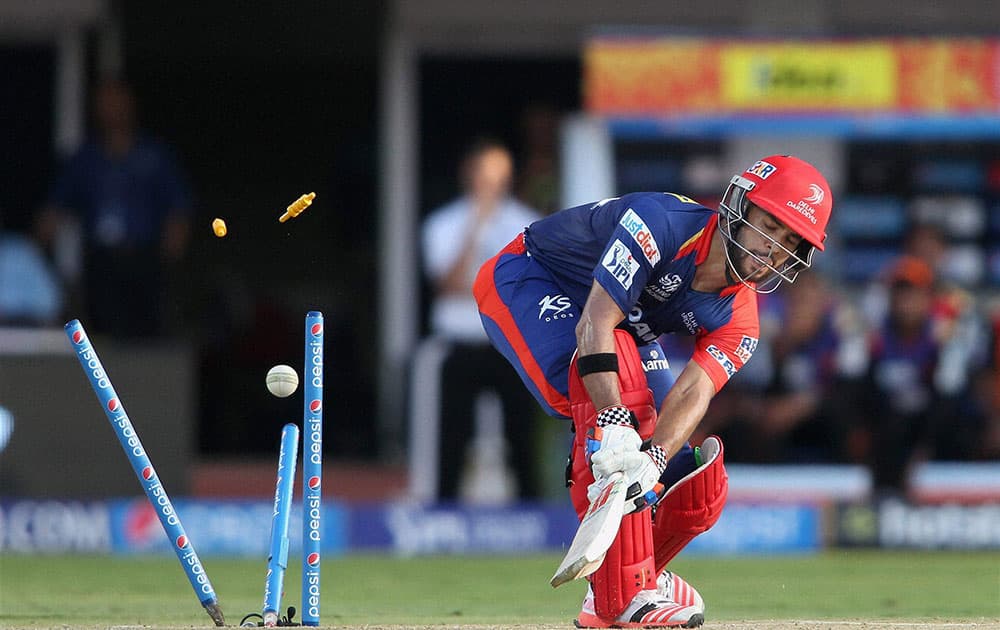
(104, 241)
(887, 373)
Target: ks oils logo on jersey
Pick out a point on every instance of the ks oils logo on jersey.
(555, 307)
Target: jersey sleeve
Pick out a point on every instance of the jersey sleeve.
(640, 239)
(723, 351)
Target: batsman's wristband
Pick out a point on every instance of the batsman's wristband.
(617, 414)
(659, 457)
(598, 362)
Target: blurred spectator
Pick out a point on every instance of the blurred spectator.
(133, 203)
(956, 323)
(457, 239)
(30, 294)
(794, 421)
(929, 243)
(908, 407)
(786, 400)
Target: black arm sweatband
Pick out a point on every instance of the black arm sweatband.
(598, 362)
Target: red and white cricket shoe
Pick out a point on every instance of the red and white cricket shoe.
(673, 587)
(652, 609)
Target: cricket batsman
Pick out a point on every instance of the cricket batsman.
(577, 302)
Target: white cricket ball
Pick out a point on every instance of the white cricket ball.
(282, 381)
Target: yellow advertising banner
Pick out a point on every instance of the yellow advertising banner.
(692, 76)
(811, 77)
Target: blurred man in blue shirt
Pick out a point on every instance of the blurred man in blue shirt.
(133, 204)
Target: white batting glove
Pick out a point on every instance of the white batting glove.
(614, 446)
(616, 429)
(617, 438)
(595, 489)
(642, 471)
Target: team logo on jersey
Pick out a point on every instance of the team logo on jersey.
(635, 226)
(665, 287)
(620, 262)
(723, 360)
(746, 348)
(762, 169)
(554, 307)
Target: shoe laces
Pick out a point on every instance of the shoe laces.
(665, 584)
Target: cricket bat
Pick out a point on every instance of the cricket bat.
(596, 532)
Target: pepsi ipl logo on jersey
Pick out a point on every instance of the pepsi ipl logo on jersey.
(621, 264)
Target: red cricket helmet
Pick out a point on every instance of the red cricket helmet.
(792, 191)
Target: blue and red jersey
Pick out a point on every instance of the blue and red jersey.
(643, 248)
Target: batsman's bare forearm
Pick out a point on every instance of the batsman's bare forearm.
(595, 334)
(683, 408)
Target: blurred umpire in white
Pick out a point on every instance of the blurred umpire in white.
(456, 365)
